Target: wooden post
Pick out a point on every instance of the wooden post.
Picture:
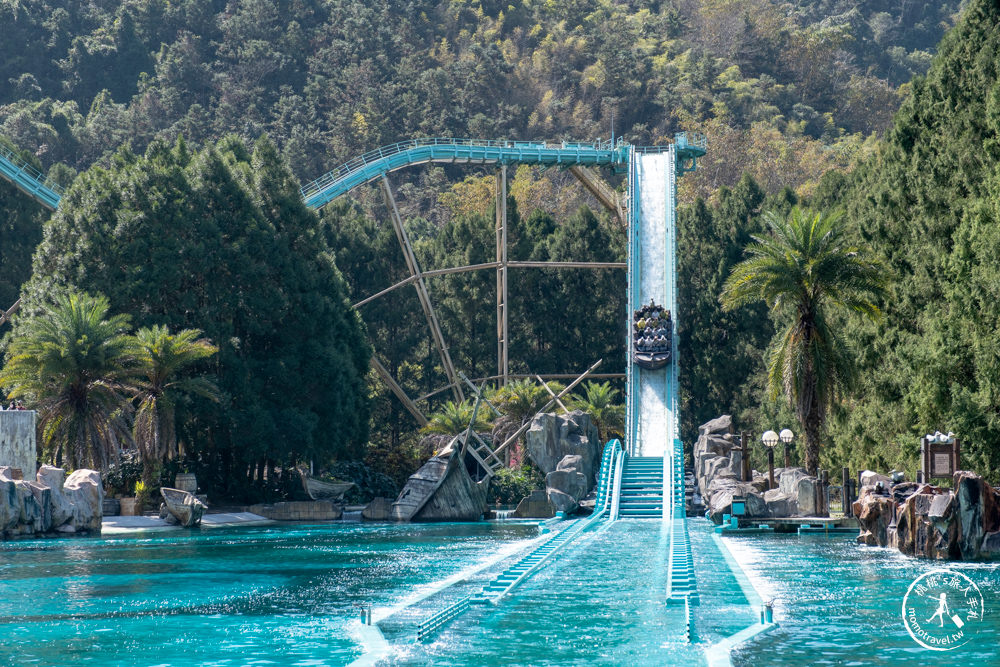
(398, 391)
(422, 295)
(501, 227)
(746, 439)
(845, 481)
(788, 455)
(770, 468)
(525, 427)
(5, 314)
(552, 394)
(956, 454)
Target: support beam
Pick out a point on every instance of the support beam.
(5, 314)
(518, 376)
(398, 391)
(552, 394)
(501, 227)
(492, 265)
(425, 300)
(604, 193)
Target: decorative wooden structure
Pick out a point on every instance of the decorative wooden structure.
(940, 460)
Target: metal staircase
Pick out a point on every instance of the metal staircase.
(641, 494)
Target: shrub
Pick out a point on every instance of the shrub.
(510, 485)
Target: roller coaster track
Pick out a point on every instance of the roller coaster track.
(28, 179)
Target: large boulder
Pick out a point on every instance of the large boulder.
(720, 501)
(84, 489)
(874, 513)
(870, 478)
(780, 505)
(713, 467)
(943, 542)
(566, 485)
(536, 505)
(977, 512)
(788, 480)
(61, 506)
(807, 492)
(723, 424)
(552, 437)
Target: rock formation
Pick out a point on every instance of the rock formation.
(50, 504)
(927, 521)
(567, 451)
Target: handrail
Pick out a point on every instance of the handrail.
(24, 176)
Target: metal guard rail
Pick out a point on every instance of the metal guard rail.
(29, 179)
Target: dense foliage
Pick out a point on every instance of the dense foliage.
(328, 80)
(214, 237)
(220, 240)
(928, 202)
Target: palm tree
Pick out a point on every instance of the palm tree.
(806, 269)
(163, 358)
(599, 401)
(519, 400)
(73, 363)
(453, 418)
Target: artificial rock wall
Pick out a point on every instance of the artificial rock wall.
(17, 441)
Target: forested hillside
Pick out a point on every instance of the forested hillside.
(785, 91)
(930, 203)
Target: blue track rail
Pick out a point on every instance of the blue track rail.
(372, 165)
(28, 179)
(518, 573)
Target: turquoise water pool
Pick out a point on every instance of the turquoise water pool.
(291, 595)
(840, 604)
(265, 595)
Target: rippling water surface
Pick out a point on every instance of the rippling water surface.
(265, 595)
(841, 604)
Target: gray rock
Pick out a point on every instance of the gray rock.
(869, 478)
(969, 491)
(807, 494)
(723, 490)
(562, 502)
(781, 504)
(788, 480)
(183, 506)
(723, 424)
(570, 482)
(536, 505)
(84, 489)
(553, 437)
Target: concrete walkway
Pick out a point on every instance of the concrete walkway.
(116, 525)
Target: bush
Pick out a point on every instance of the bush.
(510, 485)
(370, 484)
(121, 476)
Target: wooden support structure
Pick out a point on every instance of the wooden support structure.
(518, 376)
(501, 227)
(527, 425)
(5, 314)
(398, 391)
(596, 185)
(492, 265)
(425, 300)
(552, 393)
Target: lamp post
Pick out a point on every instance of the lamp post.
(786, 437)
(770, 439)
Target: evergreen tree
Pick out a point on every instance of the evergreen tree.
(219, 240)
(927, 202)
